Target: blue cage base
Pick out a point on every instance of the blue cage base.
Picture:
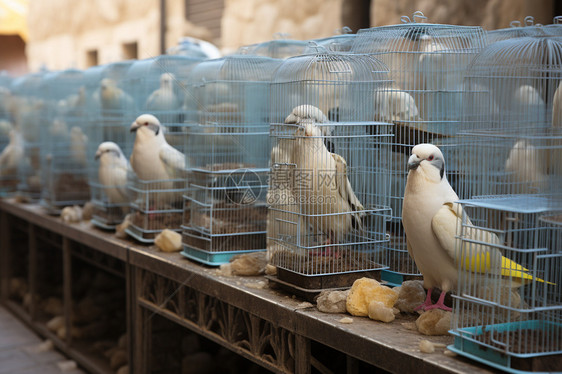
(102, 225)
(211, 258)
(396, 279)
(512, 363)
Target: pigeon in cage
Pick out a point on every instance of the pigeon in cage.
(432, 218)
(112, 172)
(153, 159)
(524, 166)
(164, 98)
(78, 145)
(310, 112)
(331, 206)
(12, 154)
(112, 97)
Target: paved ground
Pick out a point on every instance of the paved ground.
(24, 352)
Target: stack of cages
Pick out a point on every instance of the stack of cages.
(329, 187)
(427, 63)
(280, 47)
(159, 86)
(64, 141)
(110, 109)
(228, 153)
(28, 108)
(508, 304)
(8, 135)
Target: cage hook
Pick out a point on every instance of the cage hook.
(418, 14)
(557, 20)
(515, 23)
(405, 19)
(529, 21)
(345, 30)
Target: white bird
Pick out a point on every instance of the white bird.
(78, 145)
(113, 97)
(5, 128)
(395, 105)
(312, 113)
(525, 169)
(324, 191)
(152, 157)
(112, 172)
(528, 102)
(431, 220)
(163, 98)
(12, 154)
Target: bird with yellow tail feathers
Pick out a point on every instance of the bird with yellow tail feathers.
(431, 218)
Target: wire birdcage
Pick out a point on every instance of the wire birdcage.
(279, 47)
(228, 151)
(64, 141)
(159, 86)
(28, 107)
(110, 109)
(513, 107)
(508, 307)
(328, 191)
(427, 64)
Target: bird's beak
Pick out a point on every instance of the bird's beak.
(134, 126)
(413, 162)
(98, 155)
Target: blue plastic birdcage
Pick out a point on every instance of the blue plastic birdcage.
(324, 137)
(227, 153)
(427, 63)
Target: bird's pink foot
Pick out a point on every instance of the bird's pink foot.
(427, 303)
(440, 304)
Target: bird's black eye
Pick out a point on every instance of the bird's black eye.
(146, 123)
(430, 158)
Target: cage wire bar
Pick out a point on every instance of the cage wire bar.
(8, 135)
(342, 41)
(64, 141)
(427, 64)
(28, 109)
(228, 150)
(159, 86)
(110, 111)
(328, 190)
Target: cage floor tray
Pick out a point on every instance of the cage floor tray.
(395, 279)
(210, 258)
(512, 363)
(140, 235)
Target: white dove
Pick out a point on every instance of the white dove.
(431, 220)
(113, 97)
(164, 97)
(312, 113)
(525, 169)
(112, 172)
(528, 102)
(152, 157)
(325, 193)
(12, 154)
(395, 105)
(78, 145)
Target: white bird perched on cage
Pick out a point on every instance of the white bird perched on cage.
(12, 154)
(326, 195)
(112, 97)
(112, 172)
(152, 157)
(431, 221)
(78, 145)
(525, 168)
(164, 98)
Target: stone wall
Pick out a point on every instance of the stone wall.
(62, 31)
